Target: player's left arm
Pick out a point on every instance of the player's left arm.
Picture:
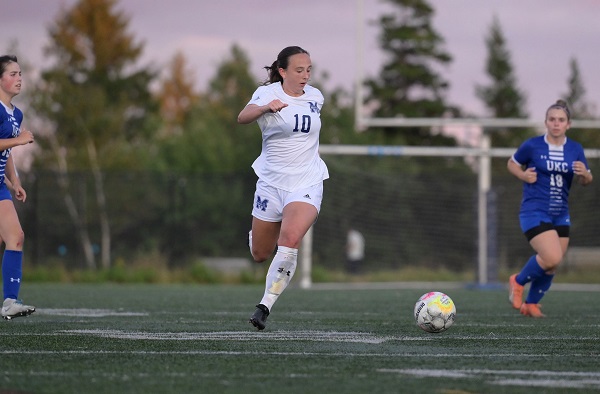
(13, 177)
(583, 175)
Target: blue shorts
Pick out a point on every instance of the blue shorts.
(4, 192)
(536, 222)
(270, 201)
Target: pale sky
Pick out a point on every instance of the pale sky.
(542, 36)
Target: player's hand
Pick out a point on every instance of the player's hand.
(529, 175)
(25, 137)
(276, 106)
(579, 168)
(20, 193)
(582, 174)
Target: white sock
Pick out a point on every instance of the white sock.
(280, 274)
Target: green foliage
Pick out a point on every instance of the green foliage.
(93, 102)
(502, 97)
(408, 84)
(199, 273)
(576, 94)
(213, 141)
(93, 93)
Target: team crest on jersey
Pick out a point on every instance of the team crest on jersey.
(15, 126)
(261, 204)
(314, 107)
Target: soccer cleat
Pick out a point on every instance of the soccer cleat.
(259, 318)
(515, 292)
(532, 310)
(14, 308)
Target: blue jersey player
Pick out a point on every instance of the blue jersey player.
(547, 165)
(11, 135)
(290, 172)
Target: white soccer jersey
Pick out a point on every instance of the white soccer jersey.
(290, 139)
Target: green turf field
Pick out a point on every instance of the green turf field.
(196, 339)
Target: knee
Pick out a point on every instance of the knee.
(260, 256)
(550, 262)
(15, 241)
(290, 239)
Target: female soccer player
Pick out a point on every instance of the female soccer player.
(547, 165)
(290, 172)
(11, 135)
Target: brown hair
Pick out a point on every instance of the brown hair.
(281, 62)
(560, 104)
(5, 61)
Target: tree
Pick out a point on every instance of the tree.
(408, 84)
(177, 96)
(501, 97)
(575, 97)
(211, 139)
(580, 107)
(97, 104)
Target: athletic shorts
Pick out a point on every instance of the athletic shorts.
(270, 201)
(4, 192)
(535, 223)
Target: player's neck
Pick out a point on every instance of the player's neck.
(556, 140)
(6, 100)
(291, 93)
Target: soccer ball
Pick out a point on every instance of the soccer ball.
(435, 312)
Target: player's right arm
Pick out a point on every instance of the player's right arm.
(529, 175)
(251, 112)
(25, 137)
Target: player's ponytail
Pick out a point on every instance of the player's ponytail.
(282, 62)
(273, 73)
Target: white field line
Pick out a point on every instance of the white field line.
(306, 335)
(84, 312)
(518, 378)
(527, 378)
(509, 356)
(317, 336)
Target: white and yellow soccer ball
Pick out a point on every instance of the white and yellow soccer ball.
(435, 312)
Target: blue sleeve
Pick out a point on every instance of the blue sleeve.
(581, 156)
(523, 155)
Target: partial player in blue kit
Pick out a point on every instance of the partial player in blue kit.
(547, 165)
(290, 171)
(11, 135)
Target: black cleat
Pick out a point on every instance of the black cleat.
(259, 318)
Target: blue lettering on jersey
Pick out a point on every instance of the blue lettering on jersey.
(314, 107)
(261, 204)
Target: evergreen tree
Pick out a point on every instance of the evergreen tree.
(409, 85)
(580, 107)
(502, 97)
(575, 97)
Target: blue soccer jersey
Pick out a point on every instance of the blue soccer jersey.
(554, 167)
(10, 126)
